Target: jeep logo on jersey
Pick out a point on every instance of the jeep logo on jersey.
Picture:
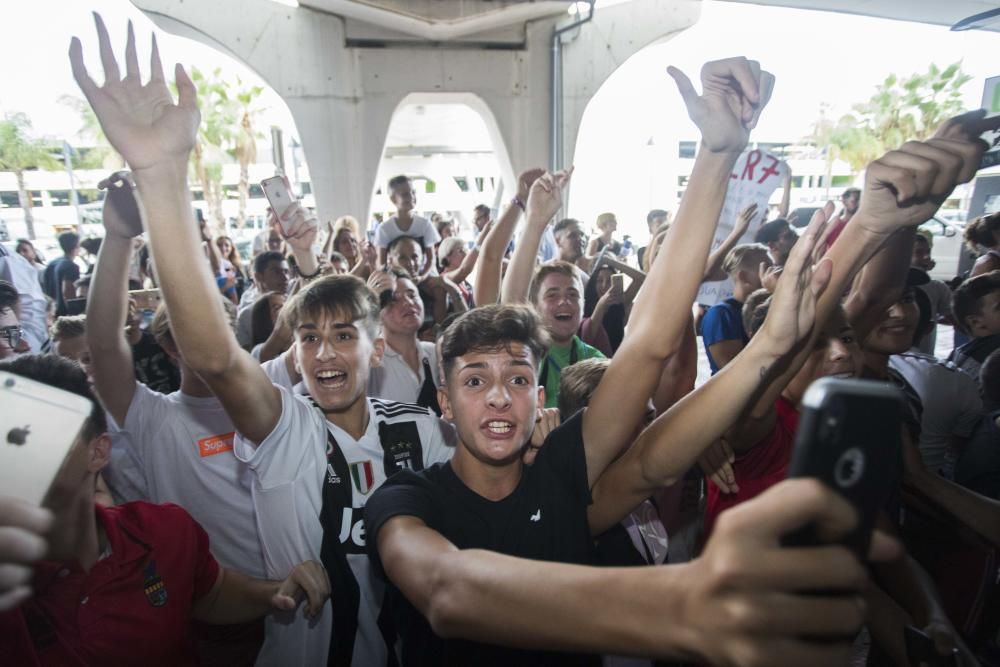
(402, 455)
(153, 586)
(352, 530)
(363, 474)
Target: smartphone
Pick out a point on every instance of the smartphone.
(39, 424)
(920, 650)
(76, 306)
(147, 301)
(849, 438)
(618, 282)
(279, 196)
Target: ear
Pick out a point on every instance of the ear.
(295, 358)
(378, 350)
(444, 402)
(100, 453)
(541, 396)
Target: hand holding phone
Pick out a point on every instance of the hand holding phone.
(279, 196)
(849, 438)
(38, 426)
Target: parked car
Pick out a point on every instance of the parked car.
(949, 244)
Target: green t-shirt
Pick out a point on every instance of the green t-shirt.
(558, 359)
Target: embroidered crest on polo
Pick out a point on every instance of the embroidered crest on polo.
(363, 474)
(153, 586)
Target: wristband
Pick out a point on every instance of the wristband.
(516, 201)
(319, 270)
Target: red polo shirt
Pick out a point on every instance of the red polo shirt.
(132, 607)
(758, 469)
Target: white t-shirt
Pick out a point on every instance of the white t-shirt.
(184, 445)
(940, 298)
(34, 306)
(290, 469)
(420, 228)
(952, 406)
(394, 380)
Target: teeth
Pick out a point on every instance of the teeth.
(499, 427)
(328, 375)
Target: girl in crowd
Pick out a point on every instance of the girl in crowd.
(229, 253)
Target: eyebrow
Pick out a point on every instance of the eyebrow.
(309, 326)
(482, 364)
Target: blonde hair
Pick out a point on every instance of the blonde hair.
(740, 256)
(68, 326)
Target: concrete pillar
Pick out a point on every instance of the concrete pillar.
(342, 98)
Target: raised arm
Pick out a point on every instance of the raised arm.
(675, 441)
(485, 596)
(487, 286)
(544, 199)
(155, 136)
(786, 195)
(725, 113)
(902, 189)
(107, 305)
(462, 271)
(713, 267)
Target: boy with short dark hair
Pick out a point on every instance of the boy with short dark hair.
(405, 223)
(976, 305)
(62, 272)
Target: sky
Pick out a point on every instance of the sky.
(817, 57)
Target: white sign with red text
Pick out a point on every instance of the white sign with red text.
(755, 177)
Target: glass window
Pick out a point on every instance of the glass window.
(59, 197)
(306, 188)
(8, 199)
(89, 196)
(687, 149)
(462, 183)
(256, 192)
(479, 183)
(36, 197)
(682, 181)
(797, 181)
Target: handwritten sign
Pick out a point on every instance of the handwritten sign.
(755, 177)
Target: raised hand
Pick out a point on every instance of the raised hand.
(545, 197)
(525, 181)
(121, 215)
(734, 91)
(140, 121)
(299, 227)
(792, 313)
(545, 422)
(744, 219)
(905, 187)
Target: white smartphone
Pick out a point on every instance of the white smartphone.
(39, 424)
(279, 196)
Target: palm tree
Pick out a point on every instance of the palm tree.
(245, 142)
(218, 119)
(899, 110)
(101, 155)
(19, 152)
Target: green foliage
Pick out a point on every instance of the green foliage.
(101, 155)
(898, 111)
(19, 150)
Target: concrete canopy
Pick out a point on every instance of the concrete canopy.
(345, 66)
(343, 75)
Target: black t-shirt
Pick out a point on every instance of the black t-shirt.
(56, 273)
(545, 518)
(153, 367)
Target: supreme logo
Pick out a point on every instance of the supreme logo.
(216, 444)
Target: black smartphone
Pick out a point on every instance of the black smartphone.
(849, 437)
(920, 650)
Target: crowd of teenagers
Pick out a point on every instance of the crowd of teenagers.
(427, 450)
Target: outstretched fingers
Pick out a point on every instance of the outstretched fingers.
(80, 74)
(187, 94)
(131, 58)
(155, 65)
(111, 73)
